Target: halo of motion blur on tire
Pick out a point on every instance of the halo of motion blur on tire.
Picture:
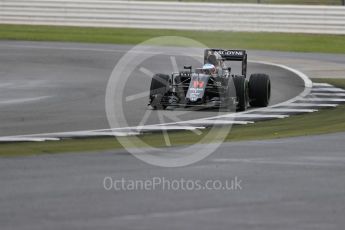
(212, 86)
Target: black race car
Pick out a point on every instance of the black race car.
(212, 86)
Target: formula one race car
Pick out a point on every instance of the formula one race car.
(213, 85)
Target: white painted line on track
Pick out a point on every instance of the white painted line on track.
(218, 122)
(169, 127)
(286, 110)
(328, 94)
(321, 90)
(29, 139)
(250, 115)
(324, 99)
(91, 134)
(322, 84)
(311, 105)
(109, 133)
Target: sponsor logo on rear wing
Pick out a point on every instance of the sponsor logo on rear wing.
(230, 55)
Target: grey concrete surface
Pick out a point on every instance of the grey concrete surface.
(296, 183)
(315, 65)
(57, 87)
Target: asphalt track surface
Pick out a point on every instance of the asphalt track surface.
(295, 183)
(60, 87)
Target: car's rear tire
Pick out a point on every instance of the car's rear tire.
(259, 90)
(241, 92)
(159, 87)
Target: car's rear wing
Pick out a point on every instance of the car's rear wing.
(229, 55)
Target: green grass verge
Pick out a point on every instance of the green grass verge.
(243, 40)
(338, 82)
(322, 122)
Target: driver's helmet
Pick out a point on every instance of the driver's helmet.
(214, 59)
(209, 69)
